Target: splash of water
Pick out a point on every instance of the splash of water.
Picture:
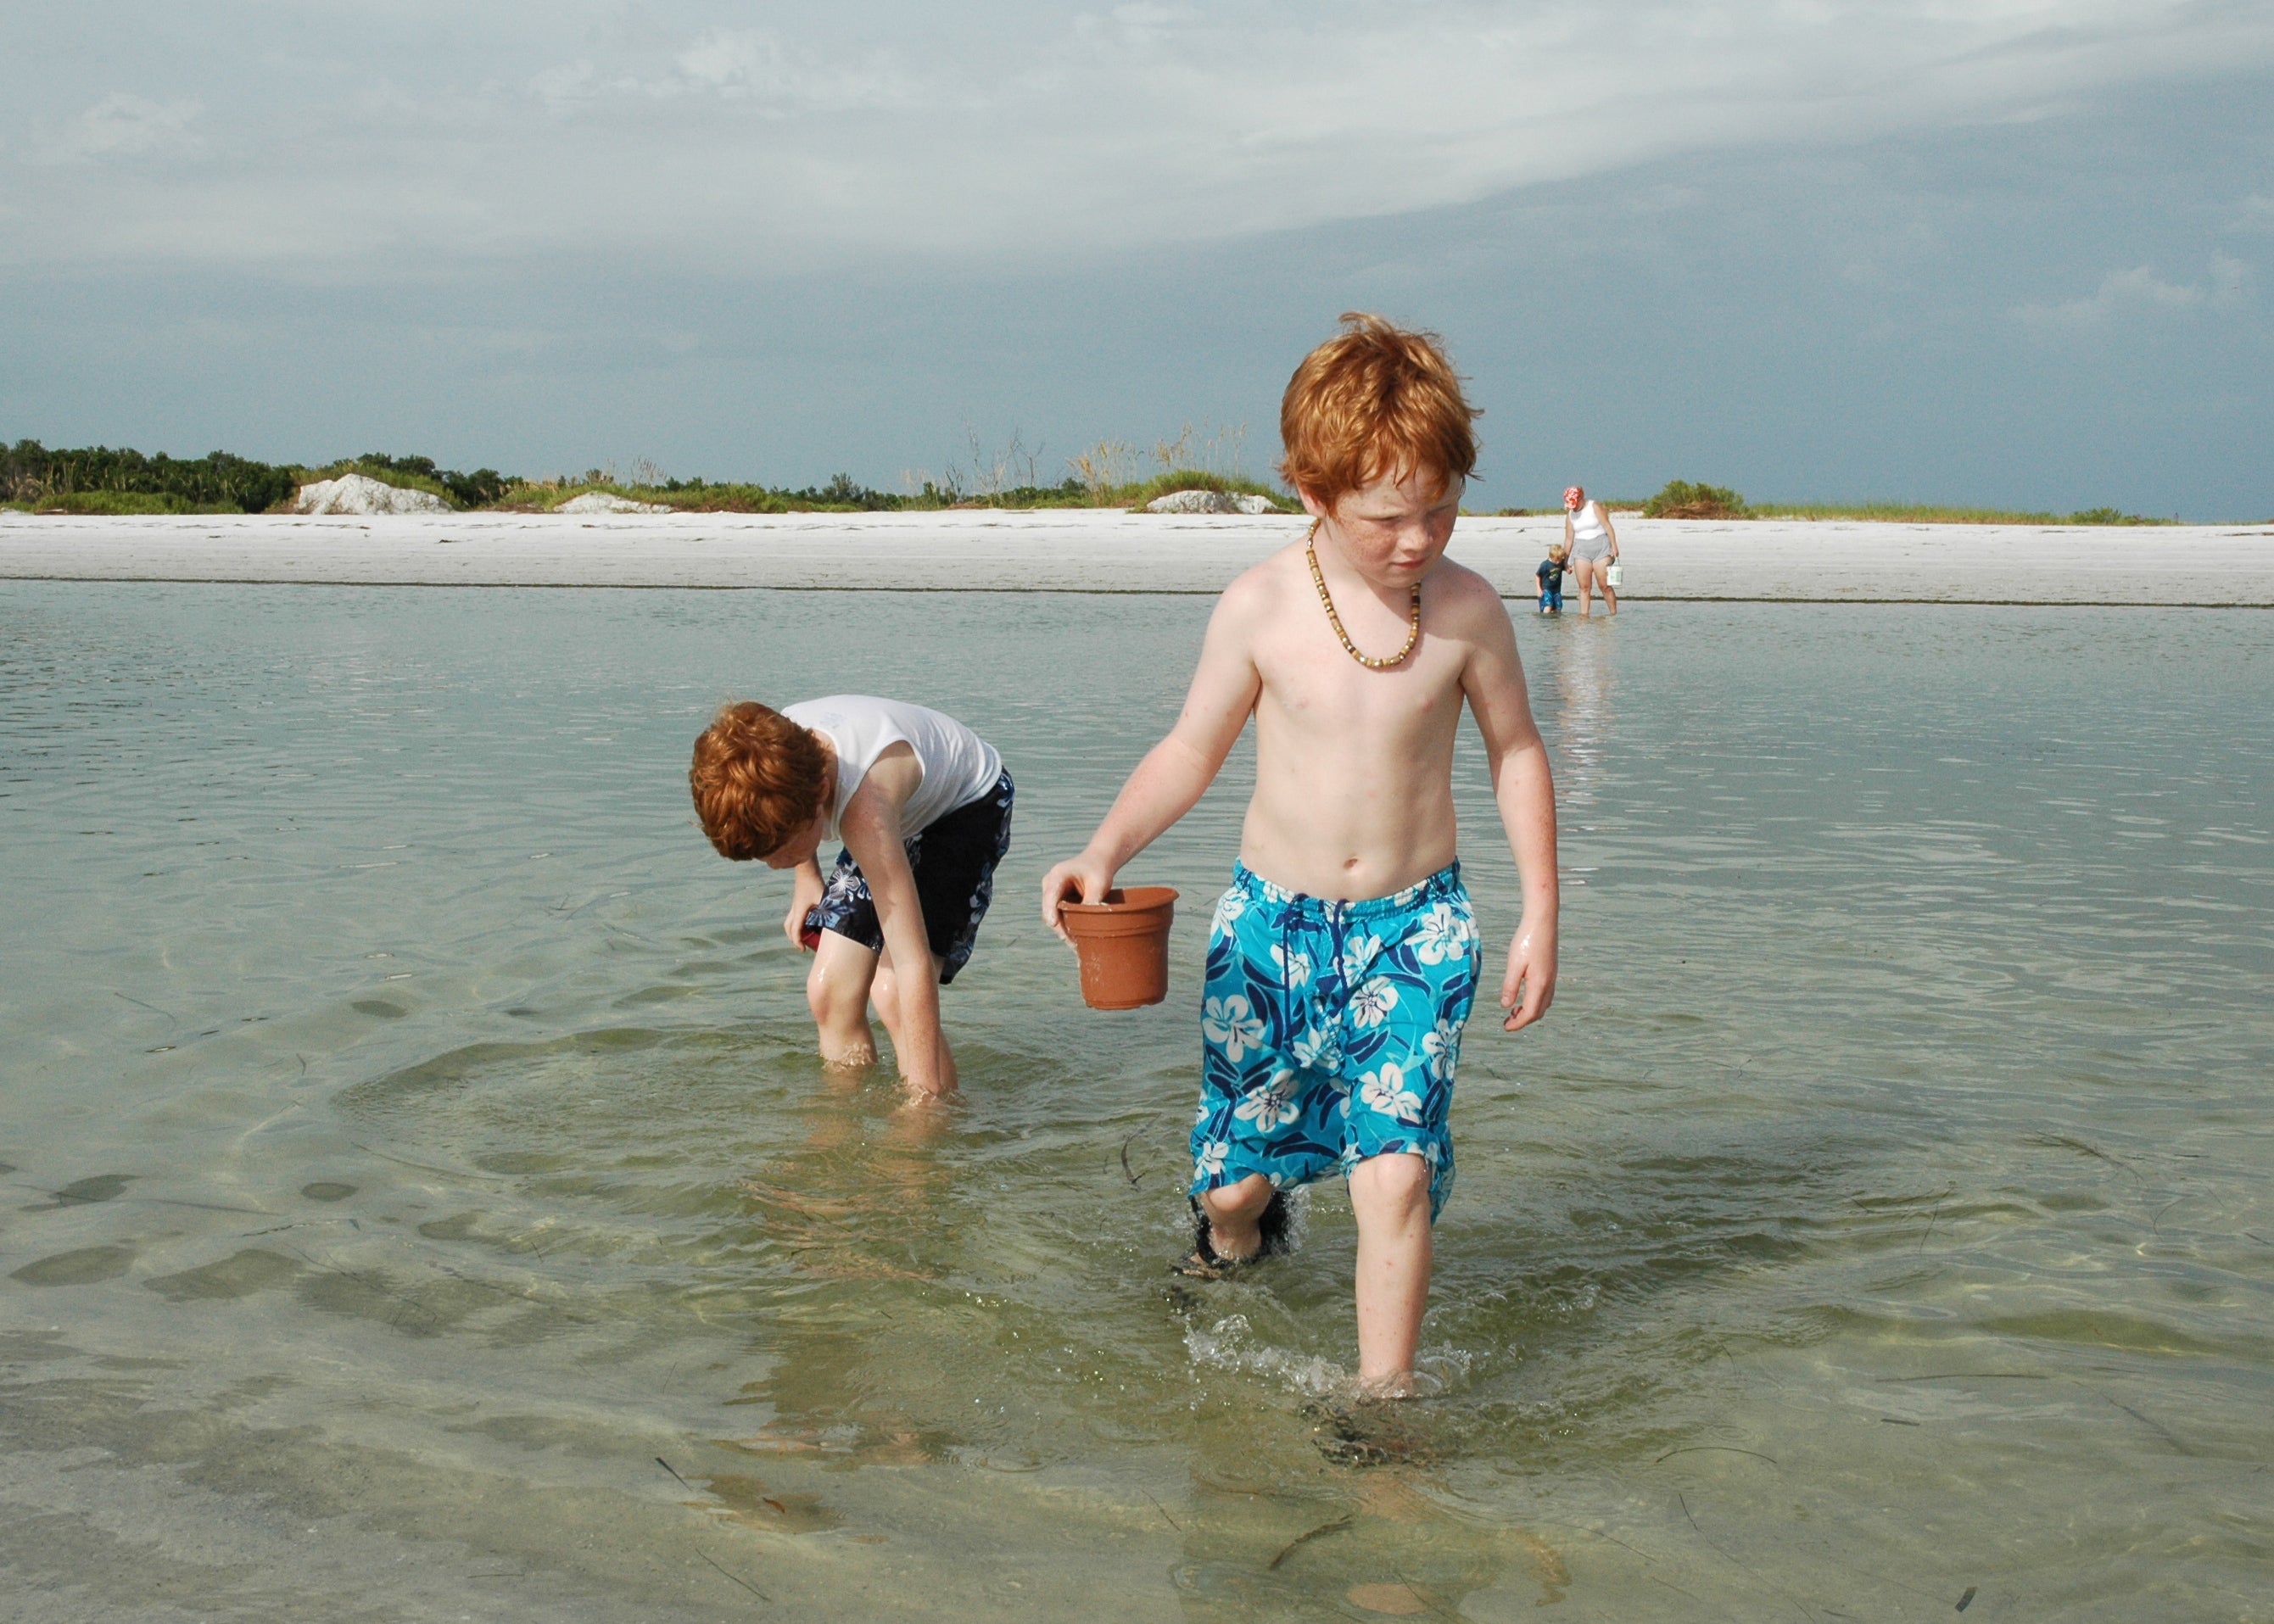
(1230, 1345)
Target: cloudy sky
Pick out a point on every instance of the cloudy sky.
(2010, 252)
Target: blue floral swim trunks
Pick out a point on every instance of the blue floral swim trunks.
(1331, 1031)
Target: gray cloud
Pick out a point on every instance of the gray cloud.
(373, 139)
(2139, 294)
(747, 246)
(125, 126)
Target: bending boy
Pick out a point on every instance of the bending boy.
(1344, 957)
(923, 806)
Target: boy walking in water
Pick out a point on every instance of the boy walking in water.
(923, 808)
(1344, 957)
(1551, 580)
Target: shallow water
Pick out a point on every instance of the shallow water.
(423, 1202)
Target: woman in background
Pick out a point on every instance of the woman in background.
(1592, 545)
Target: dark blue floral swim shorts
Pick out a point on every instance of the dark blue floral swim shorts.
(953, 858)
(1331, 1031)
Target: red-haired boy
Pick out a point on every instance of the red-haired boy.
(923, 806)
(1344, 957)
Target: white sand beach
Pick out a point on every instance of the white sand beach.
(1111, 550)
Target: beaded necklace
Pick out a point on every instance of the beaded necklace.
(1319, 580)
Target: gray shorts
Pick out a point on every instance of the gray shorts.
(1592, 550)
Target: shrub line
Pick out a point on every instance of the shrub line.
(102, 480)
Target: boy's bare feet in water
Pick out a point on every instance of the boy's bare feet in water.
(1235, 1225)
(1371, 1433)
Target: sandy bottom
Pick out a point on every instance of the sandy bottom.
(423, 1202)
(1109, 551)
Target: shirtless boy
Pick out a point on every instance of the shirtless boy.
(923, 808)
(1344, 957)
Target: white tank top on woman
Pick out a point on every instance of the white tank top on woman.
(1587, 524)
(958, 765)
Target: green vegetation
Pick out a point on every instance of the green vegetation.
(1936, 512)
(1681, 499)
(100, 479)
(1166, 484)
(116, 502)
(482, 488)
(1111, 473)
(2111, 516)
(841, 494)
(1108, 474)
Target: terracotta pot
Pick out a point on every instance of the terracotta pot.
(1123, 944)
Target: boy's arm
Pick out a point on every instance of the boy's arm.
(871, 826)
(806, 887)
(1177, 771)
(1524, 788)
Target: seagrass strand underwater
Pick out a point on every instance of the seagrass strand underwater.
(426, 1199)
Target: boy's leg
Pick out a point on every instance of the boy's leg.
(1389, 1194)
(953, 862)
(884, 991)
(1421, 984)
(1233, 1211)
(837, 991)
(1268, 1119)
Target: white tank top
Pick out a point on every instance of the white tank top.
(1587, 524)
(958, 765)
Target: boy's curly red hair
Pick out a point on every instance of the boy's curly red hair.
(1373, 402)
(757, 779)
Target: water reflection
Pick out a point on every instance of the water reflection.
(860, 1200)
(1380, 1543)
(1582, 720)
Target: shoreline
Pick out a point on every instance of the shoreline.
(1114, 552)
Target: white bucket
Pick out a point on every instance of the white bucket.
(1614, 574)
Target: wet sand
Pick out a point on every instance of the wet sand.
(1109, 551)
